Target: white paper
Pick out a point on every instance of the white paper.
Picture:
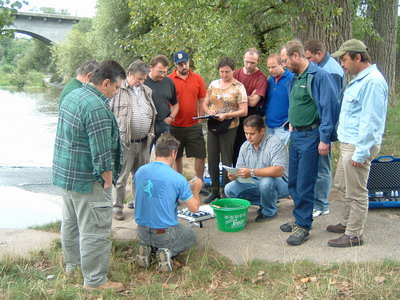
(240, 179)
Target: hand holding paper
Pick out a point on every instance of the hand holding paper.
(240, 179)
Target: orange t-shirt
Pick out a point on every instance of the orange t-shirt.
(189, 91)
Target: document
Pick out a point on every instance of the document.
(204, 117)
(240, 179)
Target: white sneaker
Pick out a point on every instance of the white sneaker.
(317, 212)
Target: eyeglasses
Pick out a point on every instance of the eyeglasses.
(161, 72)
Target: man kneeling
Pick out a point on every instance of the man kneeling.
(158, 188)
(264, 158)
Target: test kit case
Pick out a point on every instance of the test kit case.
(384, 182)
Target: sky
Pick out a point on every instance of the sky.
(79, 8)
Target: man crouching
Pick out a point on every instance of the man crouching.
(158, 188)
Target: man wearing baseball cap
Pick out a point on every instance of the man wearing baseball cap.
(361, 126)
(191, 91)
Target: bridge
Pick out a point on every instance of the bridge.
(48, 28)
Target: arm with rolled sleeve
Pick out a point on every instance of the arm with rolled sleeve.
(373, 100)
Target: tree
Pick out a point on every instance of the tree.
(7, 8)
(324, 20)
(382, 44)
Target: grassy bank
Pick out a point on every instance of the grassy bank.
(201, 274)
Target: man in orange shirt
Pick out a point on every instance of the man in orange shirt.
(191, 91)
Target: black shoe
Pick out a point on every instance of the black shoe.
(259, 211)
(263, 218)
(211, 197)
(131, 205)
(288, 227)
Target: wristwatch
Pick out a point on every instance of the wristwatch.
(252, 173)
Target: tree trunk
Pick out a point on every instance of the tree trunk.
(324, 20)
(383, 14)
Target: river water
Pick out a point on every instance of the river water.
(28, 124)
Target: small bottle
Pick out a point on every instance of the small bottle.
(392, 194)
(396, 193)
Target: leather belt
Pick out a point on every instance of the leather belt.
(140, 140)
(160, 230)
(306, 128)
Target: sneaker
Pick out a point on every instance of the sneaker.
(131, 205)
(263, 218)
(288, 227)
(338, 228)
(118, 215)
(346, 241)
(211, 197)
(317, 212)
(164, 260)
(143, 256)
(298, 237)
(117, 286)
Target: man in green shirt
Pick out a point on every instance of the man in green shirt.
(83, 74)
(87, 159)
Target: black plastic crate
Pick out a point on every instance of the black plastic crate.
(384, 182)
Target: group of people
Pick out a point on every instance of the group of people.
(110, 119)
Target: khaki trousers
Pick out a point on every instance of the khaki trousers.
(351, 184)
(85, 233)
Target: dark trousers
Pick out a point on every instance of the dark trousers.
(219, 148)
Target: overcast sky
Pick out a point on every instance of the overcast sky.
(79, 8)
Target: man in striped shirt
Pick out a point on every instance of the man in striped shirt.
(86, 163)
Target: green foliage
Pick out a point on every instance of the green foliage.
(7, 8)
(35, 58)
(51, 227)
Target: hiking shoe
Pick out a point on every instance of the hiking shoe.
(143, 256)
(263, 218)
(338, 228)
(164, 260)
(346, 241)
(116, 286)
(317, 212)
(131, 205)
(118, 215)
(211, 197)
(298, 237)
(288, 227)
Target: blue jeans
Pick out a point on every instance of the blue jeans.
(303, 169)
(265, 192)
(324, 183)
(280, 133)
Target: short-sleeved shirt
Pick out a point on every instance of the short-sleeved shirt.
(255, 81)
(164, 95)
(87, 141)
(189, 91)
(158, 187)
(226, 100)
(271, 152)
(303, 110)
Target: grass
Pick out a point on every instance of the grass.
(201, 274)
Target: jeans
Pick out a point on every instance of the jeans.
(303, 169)
(176, 238)
(280, 133)
(265, 192)
(85, 233)
(324, 183)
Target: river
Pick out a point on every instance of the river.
(28, 123)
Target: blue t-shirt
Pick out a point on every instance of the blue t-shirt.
(158, 188)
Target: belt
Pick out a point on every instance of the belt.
(140, 140)
(306, 128)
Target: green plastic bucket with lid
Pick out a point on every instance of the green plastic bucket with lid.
(230, 213)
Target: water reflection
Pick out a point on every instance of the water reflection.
(27, 127)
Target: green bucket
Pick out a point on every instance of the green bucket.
(230, 213)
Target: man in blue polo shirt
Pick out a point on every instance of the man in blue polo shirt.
(277, 99)
(158, 188)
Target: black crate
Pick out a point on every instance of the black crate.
(384, 182)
